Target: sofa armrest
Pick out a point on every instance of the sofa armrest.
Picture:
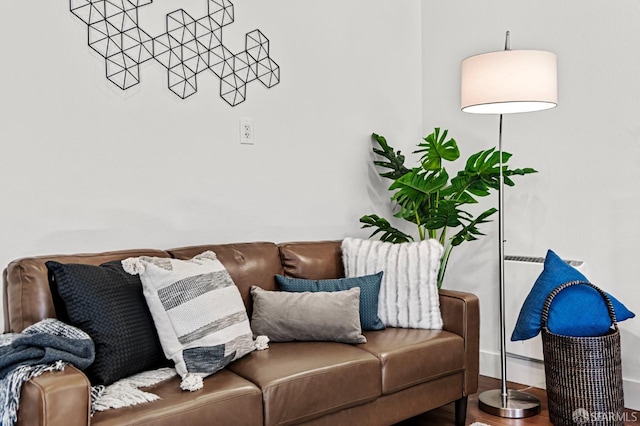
(461, 315)
(56, 398)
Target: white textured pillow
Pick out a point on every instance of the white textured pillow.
(409, 289)
(198, 313)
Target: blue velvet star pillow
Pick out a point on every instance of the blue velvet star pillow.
(576, 311)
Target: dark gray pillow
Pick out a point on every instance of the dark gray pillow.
(320, 316)
(107, 304)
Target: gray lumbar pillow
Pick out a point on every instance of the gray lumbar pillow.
(320, 316)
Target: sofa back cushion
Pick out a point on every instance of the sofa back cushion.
(27, 297)
(312, 260)
(247, 263)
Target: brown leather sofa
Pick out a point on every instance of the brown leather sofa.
(396, 375)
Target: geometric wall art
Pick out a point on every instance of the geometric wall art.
(187, 48)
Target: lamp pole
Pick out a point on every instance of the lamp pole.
(503, 336)
(501, 241)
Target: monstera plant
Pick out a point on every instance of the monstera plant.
(432, 199)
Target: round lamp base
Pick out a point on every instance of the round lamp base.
(515, 405)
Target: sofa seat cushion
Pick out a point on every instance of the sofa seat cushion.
(304, 380)
(412, 356)
(226, 399)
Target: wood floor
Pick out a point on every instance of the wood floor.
(444, 415)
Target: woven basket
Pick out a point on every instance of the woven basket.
(584, 374)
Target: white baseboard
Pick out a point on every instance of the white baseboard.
(531, 373)
(528, 373)
(631, 394)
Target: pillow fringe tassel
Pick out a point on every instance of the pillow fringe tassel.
(191, 382)
(133, 265)
(262, 343)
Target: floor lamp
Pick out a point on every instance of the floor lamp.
(506, 82)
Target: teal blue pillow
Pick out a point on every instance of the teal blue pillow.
(576, 311)
(369, 291)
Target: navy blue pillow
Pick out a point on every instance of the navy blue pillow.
(369, 290)
(576, 311)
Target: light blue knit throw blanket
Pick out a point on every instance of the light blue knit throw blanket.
(48, 345)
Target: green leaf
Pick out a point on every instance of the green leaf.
(436, 148)
(389, 233)
(394, 159)
(470, 231)
(415, 187)
(520, 172)
(445, 214)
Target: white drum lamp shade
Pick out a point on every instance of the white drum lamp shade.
(509, 81)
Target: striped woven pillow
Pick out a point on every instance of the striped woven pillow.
(198, 312)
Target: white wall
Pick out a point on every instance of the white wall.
(583, 202)
(87, 167)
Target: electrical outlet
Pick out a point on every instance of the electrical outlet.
(246, 131)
